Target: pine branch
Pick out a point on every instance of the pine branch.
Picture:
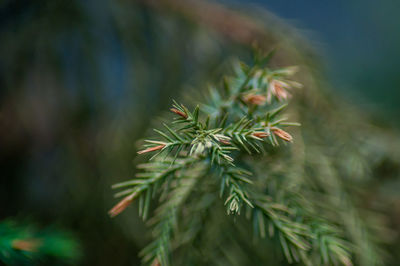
(293, 236)
(301, 232)
(330, 244)
(242, 118)
(156, 176)
(165, 219)
(299, 229)
(233, 178)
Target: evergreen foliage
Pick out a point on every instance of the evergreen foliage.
(230, 147)
(72, 92)
(23, 244)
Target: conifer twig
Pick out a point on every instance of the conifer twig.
(243, 119)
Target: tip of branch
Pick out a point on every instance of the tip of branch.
(30, 245)
(155, 148)
(180, 113)
(122, 205)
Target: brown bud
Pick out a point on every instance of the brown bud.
(282, 134)
(260, 134)
(224, 141)
(280, 92)
(156, 148)
(180, 113)
(156, 262)
(255, 99)
(121, 206)
(30, 245)
(278, 89)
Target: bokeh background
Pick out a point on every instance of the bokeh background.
(80, 82)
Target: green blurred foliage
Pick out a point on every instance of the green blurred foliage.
(79, 83)
(23, 244)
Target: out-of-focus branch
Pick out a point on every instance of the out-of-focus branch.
(228, 23)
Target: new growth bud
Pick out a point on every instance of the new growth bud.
(180, 113)
(156, 148)
(156, 262)
(121, 206)
(260, 134)
(279, 89)
(255, 99)
(223, 139)
(30, 245)
(282, 134)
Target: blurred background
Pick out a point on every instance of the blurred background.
(81, 80)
